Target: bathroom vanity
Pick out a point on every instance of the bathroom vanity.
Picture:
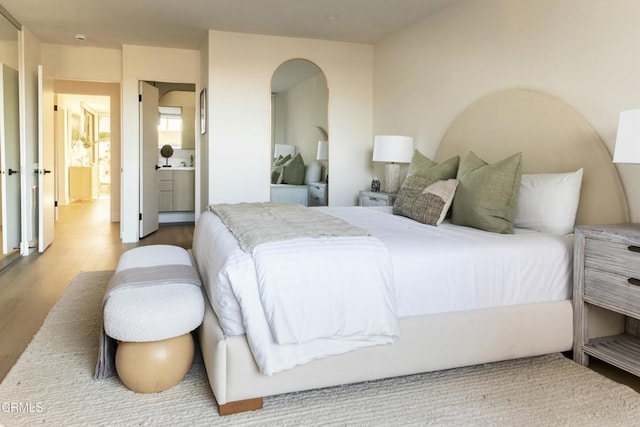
(177, 189)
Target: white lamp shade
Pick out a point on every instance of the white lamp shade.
(392, 148)
(283, 150)
(627, 148)
(323, 150)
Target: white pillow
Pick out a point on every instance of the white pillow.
(548, 202)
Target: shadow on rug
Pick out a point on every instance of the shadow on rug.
(52, 384)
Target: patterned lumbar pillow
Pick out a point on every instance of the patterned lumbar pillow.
(424, 200)
(434, 202)
(277, 168)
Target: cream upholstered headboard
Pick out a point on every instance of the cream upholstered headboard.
(552, 136)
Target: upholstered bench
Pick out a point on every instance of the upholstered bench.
(151, 305)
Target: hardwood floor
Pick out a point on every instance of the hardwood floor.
(85, 240)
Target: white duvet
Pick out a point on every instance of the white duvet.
(300, 299)
(435, 269)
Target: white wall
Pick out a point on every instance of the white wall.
(583, 52)
(239, 76)
(82, 63)
(151, 64)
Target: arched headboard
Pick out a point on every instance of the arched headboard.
(552, 136)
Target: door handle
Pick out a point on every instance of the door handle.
(44, 172)
(11, 172)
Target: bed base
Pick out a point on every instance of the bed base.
(427, 343)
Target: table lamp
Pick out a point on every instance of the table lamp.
(392, 149)
(627, 148)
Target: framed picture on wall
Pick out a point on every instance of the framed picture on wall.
(203, 111)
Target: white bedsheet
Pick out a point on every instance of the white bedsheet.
(454, 268)
(436, 269)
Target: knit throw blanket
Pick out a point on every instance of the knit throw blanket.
(254, 224)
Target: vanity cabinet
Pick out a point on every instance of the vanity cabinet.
(177, 190)
(183, 190)
(165, 187)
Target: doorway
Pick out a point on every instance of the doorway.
(167, 158)
(87, 142)
(82, 126)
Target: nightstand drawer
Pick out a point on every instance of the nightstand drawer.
(371, 198)
(612, 290)
(316, 190)
(613, 256)
(374, 201)
(317, 194)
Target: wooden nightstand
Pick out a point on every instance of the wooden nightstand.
(607, 275)
(371, 198)
(318, 194)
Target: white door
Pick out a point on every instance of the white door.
(149, 119)
(10, 158)
(46, 182)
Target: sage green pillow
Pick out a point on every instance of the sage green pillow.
(294, 171)
(418, 162)
(423, 166)
(487, 194)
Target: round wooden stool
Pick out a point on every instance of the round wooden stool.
(150, 367)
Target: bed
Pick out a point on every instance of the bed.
(553, 137)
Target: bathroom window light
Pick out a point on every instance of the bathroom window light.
(170, 127)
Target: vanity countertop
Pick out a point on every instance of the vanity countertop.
(178, 168)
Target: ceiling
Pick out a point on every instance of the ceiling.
(184, 23)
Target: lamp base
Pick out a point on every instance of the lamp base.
(391, 178)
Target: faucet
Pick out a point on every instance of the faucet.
(191, 156)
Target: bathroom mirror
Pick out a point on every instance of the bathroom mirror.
(299, 118)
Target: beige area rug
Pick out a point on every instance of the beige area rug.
(52, 384)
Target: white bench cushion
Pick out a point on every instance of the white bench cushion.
(153, 313)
